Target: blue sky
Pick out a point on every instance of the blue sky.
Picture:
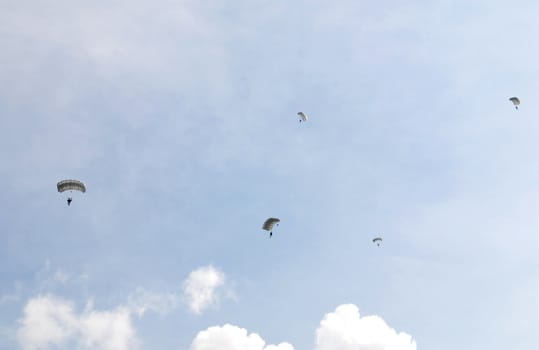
(180, 117)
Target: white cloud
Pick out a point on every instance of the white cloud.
(344, 329)
(107, 330)
(51, 321)
(229, 337)
(47, 321)
(200, 288)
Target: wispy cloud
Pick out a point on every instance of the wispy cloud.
(202, 289)
(142, 300)
(8, 298)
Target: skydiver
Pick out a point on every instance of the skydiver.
(271, 234)
(69, 199)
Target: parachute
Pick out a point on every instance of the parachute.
(269, 223)
(515, 101)
(70, 185)
(377, 240)
(302, 117)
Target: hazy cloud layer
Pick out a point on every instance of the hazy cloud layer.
(180, 117)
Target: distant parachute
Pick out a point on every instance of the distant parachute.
(377, 240)
(515, 101)
(269, 223)
(70, 185)
(302, 117)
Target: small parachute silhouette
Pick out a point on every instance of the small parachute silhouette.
(70, 185)
(377, 240)
(269, 223)
(302, 117)
(516, 101)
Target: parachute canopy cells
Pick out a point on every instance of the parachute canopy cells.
(71, 185)
(303, 117)
(515, 101)
(377, 240)
(269, 223)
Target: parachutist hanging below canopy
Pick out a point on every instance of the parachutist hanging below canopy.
(302, 117)
(377, 240)
(70, 185)
(269, 223)
(516, 101)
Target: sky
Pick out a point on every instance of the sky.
(181, 119)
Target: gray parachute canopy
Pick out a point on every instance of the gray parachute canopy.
(70, 185)
(377, 240)
(515, 101)
(303, 117)
(269, 223)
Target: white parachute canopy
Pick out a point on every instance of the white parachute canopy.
(70, 185)
(303, 117)
(516, 101)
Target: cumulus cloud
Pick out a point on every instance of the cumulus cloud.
(51, 321)
(342, 329)
(47, 321)
(229, 337)
(201, 288)
(345, 329)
